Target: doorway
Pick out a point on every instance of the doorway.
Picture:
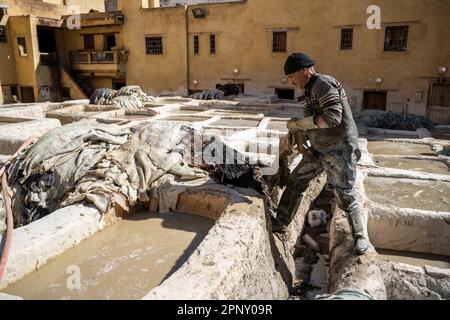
(27, 94)
(47, 45)
(110, 41)
(375, 100)
(439, 103)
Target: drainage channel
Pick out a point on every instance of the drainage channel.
(312, 255)
(410, 193)
(416, 259)
(312, 250)
(124, 261)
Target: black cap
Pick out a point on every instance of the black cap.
(297, 61)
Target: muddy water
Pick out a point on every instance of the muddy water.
(416, 259)
(185, 111)
(236, 113)
(236, 122)
(409, 193)
(135, 117)
(429, 166)
(222, 132)
(184, 119)
(124, 261)
(389, 136)
(399, 148)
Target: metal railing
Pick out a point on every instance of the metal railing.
(80, 57)
(94, 57)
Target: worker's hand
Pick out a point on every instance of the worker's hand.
(302, 124)
(279, 179)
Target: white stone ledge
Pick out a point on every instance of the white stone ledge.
(37, 243)
(410, 230)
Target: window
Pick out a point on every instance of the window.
(279, 41)
(212, 43)
(346, 39)
(22, 46)
(375, 100)
(89, 42)
(3, 34)
(396, 38)
(153, 45)
(196, 45)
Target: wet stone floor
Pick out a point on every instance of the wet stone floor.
(399, 148)
(416, 259)
(429, 166)
(409, 193)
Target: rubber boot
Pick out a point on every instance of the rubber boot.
(361, 244)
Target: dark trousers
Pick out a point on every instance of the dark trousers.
(340, 167)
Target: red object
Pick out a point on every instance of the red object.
(9, 214)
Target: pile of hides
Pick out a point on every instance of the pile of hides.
(107, 165)
(102, 96)
(129, 97)
(154, 163)
(391, 120)
(152, 157)
(44, 172)
(208, 95)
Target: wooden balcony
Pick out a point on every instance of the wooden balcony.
(95, 63)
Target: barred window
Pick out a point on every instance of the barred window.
(3, 34)
(154, 45)
(89, 43)
(346, 39)
(212, 43)
(279, 41)
(196, 44)
(396, 38)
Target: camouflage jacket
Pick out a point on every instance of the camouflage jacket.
(325, 96)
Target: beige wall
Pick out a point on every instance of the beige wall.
(25, 65)
(156, 74)
(67, 81)
(8, 74)
(101, 83)
(21, 21)
(244, 41)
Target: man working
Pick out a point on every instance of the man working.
(329, 126)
